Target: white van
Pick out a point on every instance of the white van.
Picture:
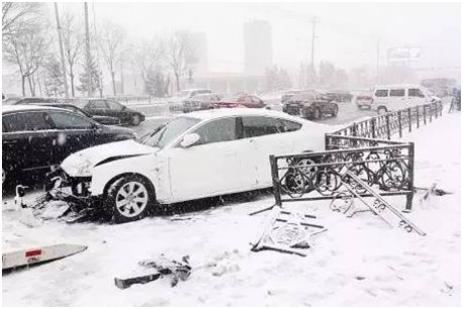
(395, 97)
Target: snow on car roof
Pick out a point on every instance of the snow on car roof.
(15, 108)
(223, 112)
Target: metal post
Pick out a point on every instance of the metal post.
(417, 116)
(411, 164)
(409, 110)
(430, 112)
(373, 133)
(388, 129)
(400, 123)
(275, 180)
(424, 114)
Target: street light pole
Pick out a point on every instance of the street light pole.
(63, 63)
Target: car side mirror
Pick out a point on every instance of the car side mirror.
(189, 140)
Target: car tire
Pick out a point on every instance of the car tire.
(135, 121)
(335, 111)
(130, 198)
(381, 110)
(317, 114)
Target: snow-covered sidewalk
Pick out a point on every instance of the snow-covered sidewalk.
(358, 261)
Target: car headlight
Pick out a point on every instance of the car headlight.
(82, 170)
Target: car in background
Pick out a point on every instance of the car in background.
(97, 108)
(288, 95)
(34, 138)
(311, 104)
(176, 102)
(35, 100)
(10, 100)
(388, 98)
(195, 155)
(339, 96)
(364, 100)
(200, 102)
(241, 100)
(101, 119)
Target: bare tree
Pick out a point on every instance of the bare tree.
(27, 48)
(16, 14)
(73, 41)
(112, 38)
(180, 52)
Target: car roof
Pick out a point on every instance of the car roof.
(228, 112)
(18, 108)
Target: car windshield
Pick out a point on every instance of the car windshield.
(168, 132)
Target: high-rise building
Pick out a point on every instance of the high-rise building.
(258, 51)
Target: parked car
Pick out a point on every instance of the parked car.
(242, 100)
(35, 100)
(195, 155)
(10, 100)
(38, 137)
(395, 97)
(340, 96)
(288, 95)
(364, 100)
(101, 119)
(176, 102)
(310, 104)
(200, 102)
(97, 107)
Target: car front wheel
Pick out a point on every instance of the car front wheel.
(136, 120)
(130, 199)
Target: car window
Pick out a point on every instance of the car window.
(220, 130)
(98, 104)
(164, 134)
(69, 121)
(257, 126)
(290, 126)
(397, 93)
(381, 93)
(26, 121)
(114, 105)
(415, 92)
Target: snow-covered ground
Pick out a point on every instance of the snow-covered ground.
(358, 261)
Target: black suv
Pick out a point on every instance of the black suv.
(37, 137)
(310, 104)
(96, 107)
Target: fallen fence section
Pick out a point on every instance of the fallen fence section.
(288, 232)
(353, 187)
(384, 165)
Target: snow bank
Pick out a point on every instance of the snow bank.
(358, 261)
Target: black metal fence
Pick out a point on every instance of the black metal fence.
(364, 148)
(388, 124)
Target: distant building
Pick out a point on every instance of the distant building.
(258, 52)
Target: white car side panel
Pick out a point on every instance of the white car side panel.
(153, 166)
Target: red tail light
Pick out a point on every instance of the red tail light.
(33, 252)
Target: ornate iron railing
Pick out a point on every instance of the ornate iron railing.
(363, 147)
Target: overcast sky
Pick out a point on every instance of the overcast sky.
(347, 34)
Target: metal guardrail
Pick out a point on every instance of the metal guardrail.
(386, 125)
(365, 148)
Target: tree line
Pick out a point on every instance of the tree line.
(30, 41)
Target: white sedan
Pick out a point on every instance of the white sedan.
(197, 155)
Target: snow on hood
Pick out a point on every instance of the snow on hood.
(81, 163)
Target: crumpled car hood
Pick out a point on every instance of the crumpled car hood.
(81, 163)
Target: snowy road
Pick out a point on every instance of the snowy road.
(357, 262)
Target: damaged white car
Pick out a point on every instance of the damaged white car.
(198, 155)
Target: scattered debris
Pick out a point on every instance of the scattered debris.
(21, 258)
(388, 213)
(162, 267)
(288, 232)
